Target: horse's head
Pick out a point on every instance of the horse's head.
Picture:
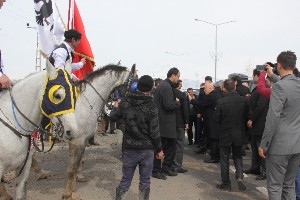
(126, 86)
(58, 101)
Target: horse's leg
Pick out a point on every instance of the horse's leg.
(75, 154)
(21, 191)
(37, 168)
(80, 177)
(3, 194)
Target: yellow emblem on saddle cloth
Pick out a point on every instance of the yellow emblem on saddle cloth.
(59, 95)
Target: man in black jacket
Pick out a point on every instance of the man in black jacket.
(231, 113)
(182, 116)
(212, 127)
(259, 106)
(167, 104)
(141, 136)
(192, 118)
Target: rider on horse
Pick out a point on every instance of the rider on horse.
(64, 52)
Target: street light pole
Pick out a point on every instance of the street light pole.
(216, 41)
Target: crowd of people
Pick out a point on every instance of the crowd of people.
(226, 116)
(223, 120)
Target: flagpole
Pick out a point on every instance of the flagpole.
(61, 19)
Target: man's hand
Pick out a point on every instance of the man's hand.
(191, 97)
(249, 123)
(247, 96)
(186, 126)
(116, 104)
(269, 70)
(160, 155)
(74, 79)
(261, 152)
(5, 81)
(83, 60)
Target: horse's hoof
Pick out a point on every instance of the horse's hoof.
(8, 198)
(81, 178)
(72, 197)
(75, 197)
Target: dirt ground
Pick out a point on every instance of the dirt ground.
(102, 166)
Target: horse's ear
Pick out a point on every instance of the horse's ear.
(68, 67)
(133, 68)
(51, 71)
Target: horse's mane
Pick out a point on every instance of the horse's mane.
(99, 72)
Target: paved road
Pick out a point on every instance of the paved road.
(103, 169)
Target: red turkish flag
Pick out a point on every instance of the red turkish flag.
(84, 49)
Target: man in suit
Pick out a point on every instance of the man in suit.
(259, 106)
(182, 118)
(167, 103)
(281, 138)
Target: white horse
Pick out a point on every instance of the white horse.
(13, 148)
(96, 88)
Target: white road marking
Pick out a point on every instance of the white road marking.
(232, 168)
(263, 190)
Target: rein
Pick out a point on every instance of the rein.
(38, 128)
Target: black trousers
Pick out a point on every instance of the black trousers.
(214, 149)
(204, 141)
(258, 163)
(199, 132)
(169, 149)
(225, 152)
(192, 121)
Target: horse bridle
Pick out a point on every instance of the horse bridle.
(110, 99)
(28, 136)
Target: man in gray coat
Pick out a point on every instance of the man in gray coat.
(281, 137)
(167, 104)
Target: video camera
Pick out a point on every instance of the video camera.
(264, 67)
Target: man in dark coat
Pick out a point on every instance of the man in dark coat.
(192, 118)
(231, 113)
(212, 127)
(182, 118)
(167, 104)
(259, 107)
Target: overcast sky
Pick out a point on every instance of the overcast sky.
(139, 31)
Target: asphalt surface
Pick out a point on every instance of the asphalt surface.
(103, 168)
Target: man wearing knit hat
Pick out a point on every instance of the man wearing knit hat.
(141, 136)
